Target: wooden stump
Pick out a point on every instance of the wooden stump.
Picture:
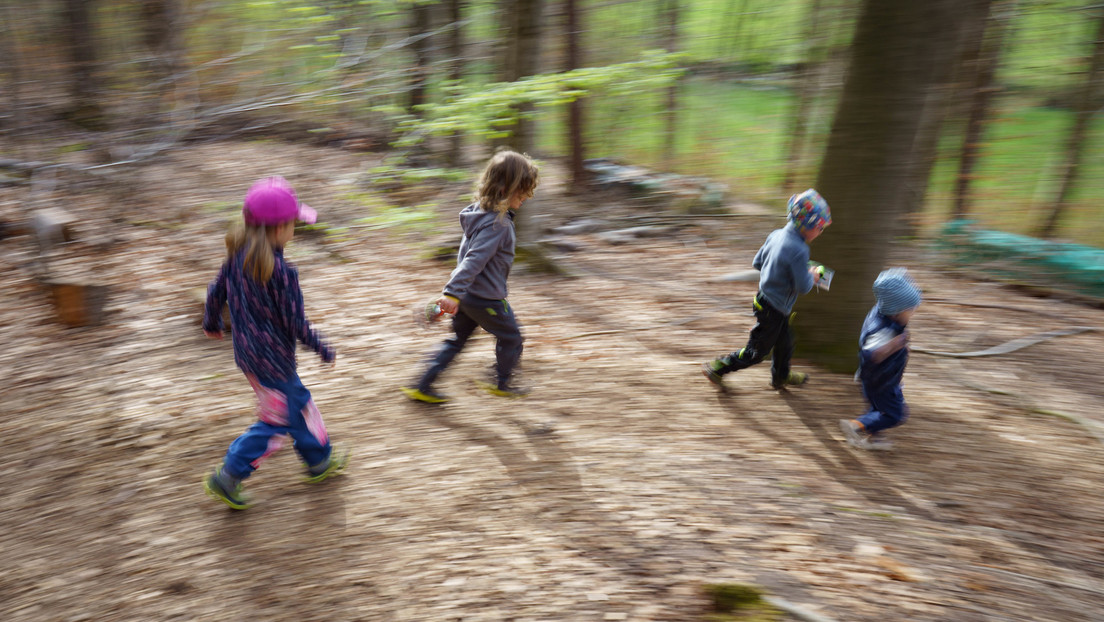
(76, 303)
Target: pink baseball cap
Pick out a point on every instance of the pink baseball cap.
(272, 201)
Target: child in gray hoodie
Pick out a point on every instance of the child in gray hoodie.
(476, 292)
(784, 273)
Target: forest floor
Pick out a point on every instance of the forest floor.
(619, 488)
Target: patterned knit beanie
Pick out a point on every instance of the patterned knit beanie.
(895, 291)
(809, 210)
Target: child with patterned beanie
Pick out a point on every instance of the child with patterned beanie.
(882, 359)
(784, 273)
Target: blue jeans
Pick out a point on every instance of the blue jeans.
(495, 317)
(887, 408)
(283, 409)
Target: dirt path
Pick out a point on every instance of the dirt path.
(613, 493)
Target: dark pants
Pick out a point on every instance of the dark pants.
(887, 408)
(494, 316)
(771, 332)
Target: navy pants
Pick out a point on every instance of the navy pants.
(887, 408)
(771, 332)
(284, 409)
(494, 316)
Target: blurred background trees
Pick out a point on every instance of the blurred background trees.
(903, 116)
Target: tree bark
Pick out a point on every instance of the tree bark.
(804, 87)
(867, 162)
(521, 58)
(670, 113)
(575, 108)
(84, 106)
(936, 104)
(419, 25)
(1088, 101)
(988, 61)
(456, 73)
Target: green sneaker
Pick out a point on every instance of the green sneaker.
(427, 396)
(709, 370)
(235, 498)
(339, 458)
(502, 390)
(795, 378)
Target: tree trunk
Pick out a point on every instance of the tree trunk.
(456, 73)
(419, 26)
(670, 15)
(1088, 101)
(867, 162)
(936, 105)
(575, 108)
(84, 105)
(988, 60)
(804, 87)
(521, 58)
(13, 63)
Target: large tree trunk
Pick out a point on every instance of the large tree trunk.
(84, 105)
(936, 105)
(670, 15)
(866, 164)
(521, 58)
(575, 108)
(988, 60)
(1088, 101)
(456, 73)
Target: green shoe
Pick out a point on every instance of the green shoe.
(339, 458)
(428, 396)
(502, 390)
(795, 378)
(235, 498)
(709, 370)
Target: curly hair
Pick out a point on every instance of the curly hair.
(508, 174)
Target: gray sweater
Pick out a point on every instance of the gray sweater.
(486, 255)
(783, 264)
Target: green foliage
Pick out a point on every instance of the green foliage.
(488, 111)
(420, 218)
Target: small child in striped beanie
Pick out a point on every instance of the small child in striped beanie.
(882, 359)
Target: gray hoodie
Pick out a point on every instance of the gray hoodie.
(783, 264)
(486, 254)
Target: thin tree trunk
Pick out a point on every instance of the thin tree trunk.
(13, 62)
(521, 59)
(161, 21)
(805, 92)
(1088, 101)
(936, 105)
(575, 108)
(456, 73)
(84, 105)
(670, 113)
(984, 88)
(419, 26)
(866, 163)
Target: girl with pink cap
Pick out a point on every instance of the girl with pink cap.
(268, 320)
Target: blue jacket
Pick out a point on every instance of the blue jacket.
(783, 264)
(877, 330)
(486, 254)
(267, 318)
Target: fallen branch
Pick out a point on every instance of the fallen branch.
(796, 610)
(1012, 346)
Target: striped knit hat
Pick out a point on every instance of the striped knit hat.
(895, 291)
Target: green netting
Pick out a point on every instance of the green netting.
(1072, 268)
